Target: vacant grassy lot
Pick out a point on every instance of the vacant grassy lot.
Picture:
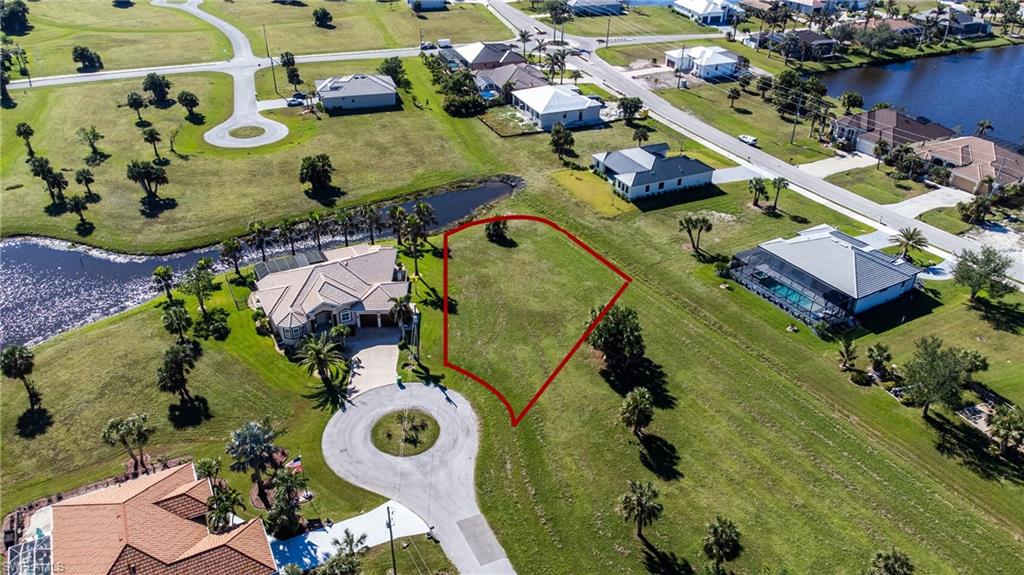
(124, 36)
(751, 115)
(595, 191)
(640, 20)
(876, 185)
(108, 369)
(498, 323)
(946, 219)
(357, 25)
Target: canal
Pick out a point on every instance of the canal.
(50, 286)
(956, 90)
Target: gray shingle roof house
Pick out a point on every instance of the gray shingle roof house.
(648, 171)
(357, 91)
(862, 131)
(482, 55)
(353, 286)
(964, 25)
(824, 275)
(519, 76)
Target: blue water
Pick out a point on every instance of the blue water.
(788, 294)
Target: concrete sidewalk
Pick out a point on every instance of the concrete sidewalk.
(940, 198)
(830, 166)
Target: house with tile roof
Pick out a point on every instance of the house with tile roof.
(823, 275)
(971, 160)
(646, 171)
(862, 131)
(153, 525)
(357, 92)
(351, 286)
(550, 105)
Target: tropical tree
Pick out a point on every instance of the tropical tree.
(938, 374)
(157, 85)
(294, 77)
(425, 212)
(152, 136)
(850, 99)
(879, 356)
(893, 562)
(641, 134)
(198, 282)
(345, 561)
(78, 205)
(287, 60)
(319, 225)
(347, 222)
(694, 225)
(764, 84)
(415, 231)
(733, 94)
(758, 188)
(24, 131)
(84, 177)
(340, 332)
(189, 101)
(138, 432)
(629, 108)
(562, 140)
(283, 519)
(637, 410)
(524, 37)
(721, 541)
(395, 217)
(847, 353)
(881, 150)
(289, 232)
(221, 506)
(231, 250)
(260, 235)
(148, 176)
(779, 183)
(909, 239)
(401, 310)
(90, 137)
(1006, 425)
(575, 75)
(320, 355)
(208, 468)
(116, 433)
(316, 171)
(640, 505)
(136, 102)
(252, 448)
(619, 337)
(172, 376)
(56, 183)
(984, 269)
(163, 277)
(177, 321)
(322, 18)
(17, 362)
(371, 219)
(983, 126)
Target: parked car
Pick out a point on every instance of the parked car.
(444, 43)
(295, 102)
(746, 139)
(427, 46)
(298, 96)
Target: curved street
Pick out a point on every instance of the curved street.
(438, 485)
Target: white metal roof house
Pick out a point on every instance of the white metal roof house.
(357, 92)
(351, 286)
(549, 105)
(486, 55)
(708, 12)
(824, 275)
(708, 62)
(649, 171)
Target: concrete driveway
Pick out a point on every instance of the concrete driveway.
(438, 485)
(374, 354)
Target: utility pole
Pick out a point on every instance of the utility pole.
(608, 32)
(391, 537)
(272, 73)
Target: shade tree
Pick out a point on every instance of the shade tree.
(984, 269)
(939, 374)
(637, 410)
(618, 337)
(316, 171)
(17, 362)
(640, 506)
(86, 58)
(157, 85)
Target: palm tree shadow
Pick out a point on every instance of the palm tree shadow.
(34, 422)
(326, 197)
(664, 562)
(328, 397)
(189, 412)
(646, 373)
(660, 457)
(971, 448)
(153, 206)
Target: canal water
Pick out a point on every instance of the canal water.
(50, 286)
(956, 90)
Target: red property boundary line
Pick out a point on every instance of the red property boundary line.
(514, 417)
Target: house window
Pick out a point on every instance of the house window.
(345, 316)
(647, 188)
(679, 182)
(296, 332)
(661, 185)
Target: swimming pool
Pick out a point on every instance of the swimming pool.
(787, 294)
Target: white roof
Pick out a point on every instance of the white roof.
(705, 55)
(703, 7)
(551, 99)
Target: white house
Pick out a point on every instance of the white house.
(708, 12)
(708, 62)
(357, 92)
(648, 171)
(548, 105)
(312, 292)
(424, 5)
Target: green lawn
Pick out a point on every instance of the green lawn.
(751, 115)
(405, 433)
(946, 219)
(412, 555)
(640, 20)
(358, 25)
(595, 191)
(130, 37)
(877, 186)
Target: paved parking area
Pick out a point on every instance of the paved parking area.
(374, 353)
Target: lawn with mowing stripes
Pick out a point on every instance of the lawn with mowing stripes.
(877, 185)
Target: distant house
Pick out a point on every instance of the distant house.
(426, 5)
(153, 524)
(709, 12)
(549, 105)
(708, 62)
(596, 7)
(357, 92)
(963, 24)
(491, 83)
(648, 171)
(755, 7)
(766, 39)
(902, 28)
(823, 275)
(971, 159)
(862, 131)
(312, 292)
(810, 6)
(482, 56)
(813, 46)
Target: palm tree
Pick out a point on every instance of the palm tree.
(350, 544)
(231, 250)
(396, 220)
(779, 184)
(637, 410)
(289, 232)
(401, 309)
(722, 541)
(221, 506)
(321, 356)
(25, 132)
(84, 177)
(907, 239)
(198, 282)
(252, 448)
(137, 102)
(347, 222)
(847, 353)
(371, 219)
(983, 126)
(894, 562)
(152, 136)
(640, 505)
(555, 63)
(425, 212)
(163, 277)
(177, 321)
(115, 433)
(641, 134)
(17, 362)
(525, 36)
(77, 204)
(541, 46)
(340, 332)
(757, 187)
(695, 223)
(575, 75)
(881, 150)
(319, 225)
(208, 467)
(288, 485)
(733, 95)
(879, 355)
(415, 231)
(260, 235)
(138, 432)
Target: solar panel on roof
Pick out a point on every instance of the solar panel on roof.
(288, 262)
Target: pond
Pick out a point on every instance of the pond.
(956, 90)
(50, 286)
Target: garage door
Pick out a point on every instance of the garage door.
(368, 320)
(386, 319)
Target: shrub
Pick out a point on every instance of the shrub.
(861, 378)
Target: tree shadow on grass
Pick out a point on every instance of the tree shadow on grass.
(1001, 315)
(34, 422)
(973, 449)
(327, 397)
(327, 196)
(56, 209)
(435, 301)
(97, 158)
(196, 118)
(646, 373)
(664, 562)
(189, 412)
(660, 457)
(85, 228)
(153, 206)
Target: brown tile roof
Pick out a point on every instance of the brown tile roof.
(975, 158)
(146, 523)
(892, 126)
